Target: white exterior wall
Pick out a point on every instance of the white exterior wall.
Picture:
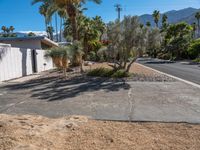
(16, 62)
(41, 61)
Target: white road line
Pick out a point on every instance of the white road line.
(177, 78)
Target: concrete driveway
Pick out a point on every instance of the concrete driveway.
(102, 99)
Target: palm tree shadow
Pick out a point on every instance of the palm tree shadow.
(57, 89)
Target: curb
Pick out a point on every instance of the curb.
(171, 76)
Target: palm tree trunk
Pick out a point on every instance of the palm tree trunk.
(61, 23)
(46, 27)
(56, 22)
(198, 27)
(74, 28)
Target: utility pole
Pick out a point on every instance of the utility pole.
(118, 9)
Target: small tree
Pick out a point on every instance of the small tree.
(125, 40)
(154, 42)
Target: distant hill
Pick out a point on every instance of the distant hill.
(174, 16)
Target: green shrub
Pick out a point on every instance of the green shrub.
(194, 49)
(120, 74)
(197, 60)
(105, 72)
(92, 56)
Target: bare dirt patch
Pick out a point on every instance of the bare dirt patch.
(79, 133)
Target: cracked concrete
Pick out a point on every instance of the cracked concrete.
(126, 101)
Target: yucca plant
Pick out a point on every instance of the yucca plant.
(60, 57)
(77, 53)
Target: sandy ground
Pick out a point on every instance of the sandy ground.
(79, 133)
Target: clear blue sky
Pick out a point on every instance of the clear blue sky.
(25, 17)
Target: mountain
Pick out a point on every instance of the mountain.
(25, 33)
(174, 16)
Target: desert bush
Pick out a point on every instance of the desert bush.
(120, 74)
(105, 72)
(101, 72)
(165, 56)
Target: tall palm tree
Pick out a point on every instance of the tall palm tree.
(70, 6)
(194, 28)
(148, 24)
(43, 11)
(62, 14)
(11, 28)
(197, 16)
(156, 16)
(3, 28)
(164, 22)
(56, 25)
(164, 19)
(99, 25)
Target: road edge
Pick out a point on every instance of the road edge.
(174, 77)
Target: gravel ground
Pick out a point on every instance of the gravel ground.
(139, 73)
(79, 133)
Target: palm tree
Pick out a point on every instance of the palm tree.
(3, 28)
(197, 16)
(194, 27)
(11, 29)
(56, 24)
(164, 22)
(62, 14)
(156, 16)
(70, 6)
(43, 11)
(148, 24)
(50, 31)
(100, 26)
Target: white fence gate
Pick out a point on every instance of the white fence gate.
(17, 62)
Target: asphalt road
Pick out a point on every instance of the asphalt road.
(179, 69)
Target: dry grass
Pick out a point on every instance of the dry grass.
(79, 133)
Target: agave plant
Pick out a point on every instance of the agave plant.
(60, 57)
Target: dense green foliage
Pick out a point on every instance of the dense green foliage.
(177, 40)
(194, 49)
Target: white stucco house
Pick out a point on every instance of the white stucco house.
(22, 56)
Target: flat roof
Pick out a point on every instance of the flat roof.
(40, 38)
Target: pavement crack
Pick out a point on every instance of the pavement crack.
(131, 104)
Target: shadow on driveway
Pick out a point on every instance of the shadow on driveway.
(56, 88)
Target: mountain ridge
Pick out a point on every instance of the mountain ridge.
(174, 16)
